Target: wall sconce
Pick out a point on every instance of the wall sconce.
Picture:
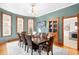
(75, 27)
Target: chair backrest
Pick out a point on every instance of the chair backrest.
(23, 37)
(44, 36)
(23, 32)
(51, 39)
(19, 36)
(29, 40)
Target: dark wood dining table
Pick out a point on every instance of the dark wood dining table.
(36, 39)
(40, 41)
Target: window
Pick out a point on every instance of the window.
(19, 24)
(6, 22)
(30, 26)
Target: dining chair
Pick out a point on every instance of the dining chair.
(44, 36)
(20, 40)
(31, 44)
(24, 39)
(47, 46)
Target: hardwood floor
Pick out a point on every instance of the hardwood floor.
(3, 49)
(72, 51)
(57, 50)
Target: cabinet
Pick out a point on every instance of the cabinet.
(55, 30)
(53, 27)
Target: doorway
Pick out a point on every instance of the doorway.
(70, 32)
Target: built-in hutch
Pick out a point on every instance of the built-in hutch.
(53, 28)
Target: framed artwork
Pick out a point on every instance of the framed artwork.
(6, 24)
(20, 23)
(42, 24)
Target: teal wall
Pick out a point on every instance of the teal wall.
(2, 39)
(68, 11)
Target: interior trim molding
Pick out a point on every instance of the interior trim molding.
(77, 15)
(10, 40)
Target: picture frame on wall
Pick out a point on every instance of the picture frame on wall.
(42, 24)
(6, 24)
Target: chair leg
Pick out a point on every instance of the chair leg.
(48, 50)
(19, 44)
(51, 51)
(25, 47)
(32, 52)
(22, 44)
(47, 53)
(39, 51)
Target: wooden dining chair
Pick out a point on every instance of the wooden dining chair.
(44, 36)
(24, 40)
(31, 44)
(20, 40)
(47, 46)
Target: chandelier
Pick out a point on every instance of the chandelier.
(33, 10)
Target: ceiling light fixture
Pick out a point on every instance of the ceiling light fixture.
(33, 9)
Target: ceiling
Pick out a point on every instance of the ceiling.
(40, 8)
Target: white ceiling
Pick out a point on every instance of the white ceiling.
(41, 8)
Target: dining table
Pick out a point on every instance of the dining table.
(39, 41)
